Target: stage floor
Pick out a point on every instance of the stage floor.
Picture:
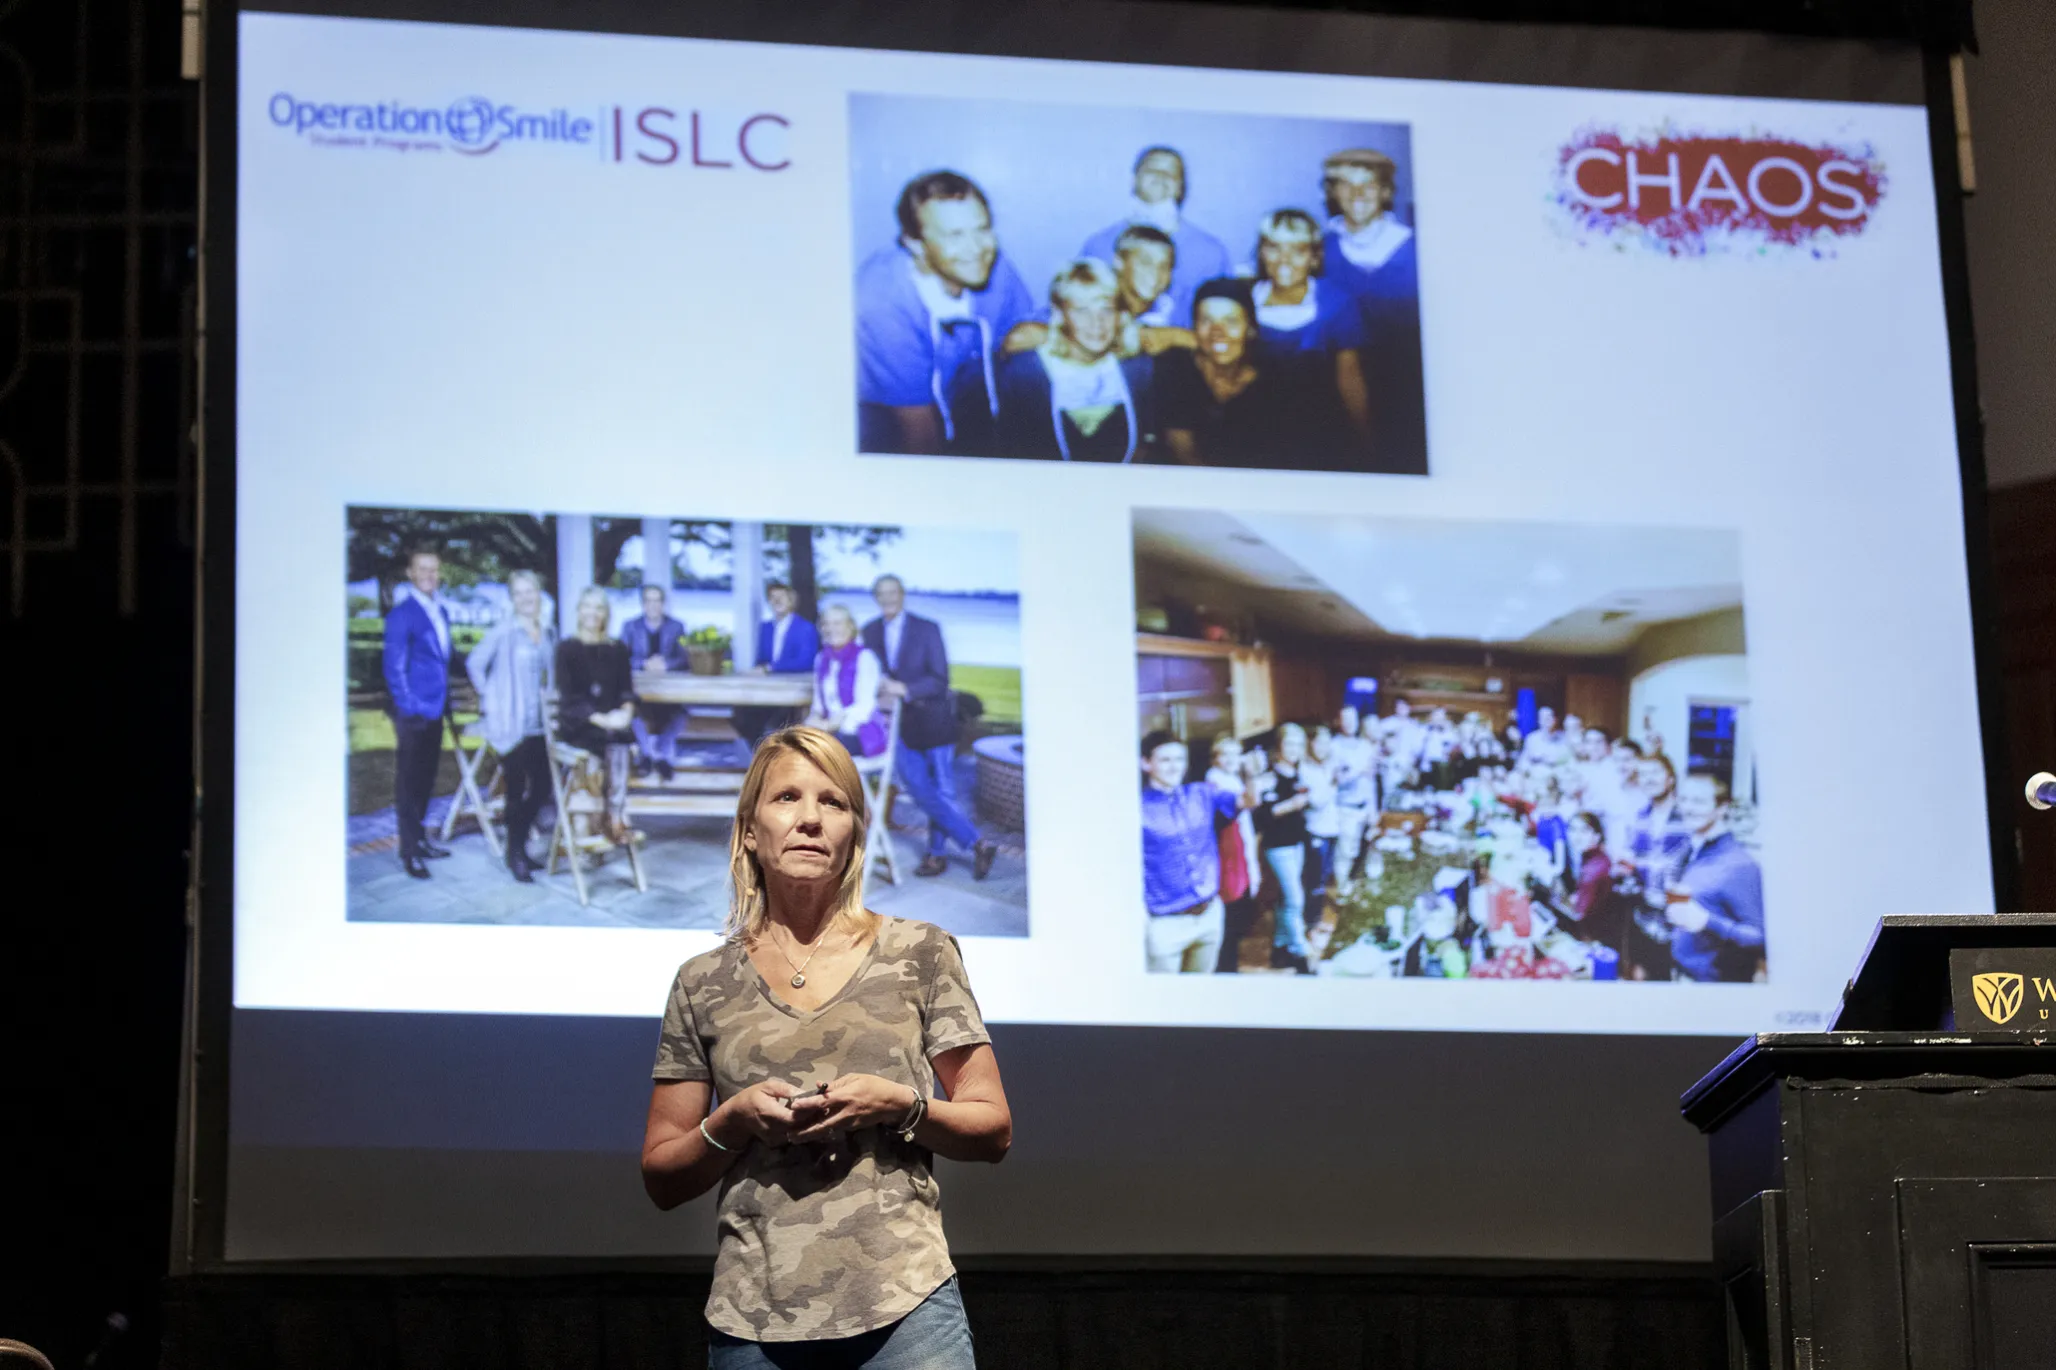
(1041, 1313)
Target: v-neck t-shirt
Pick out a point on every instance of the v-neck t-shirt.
(824, 1239)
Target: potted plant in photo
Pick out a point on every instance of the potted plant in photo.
(706, 651)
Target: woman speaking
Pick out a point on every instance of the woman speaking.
(822, 1030)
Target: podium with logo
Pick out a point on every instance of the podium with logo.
(1885, 1191)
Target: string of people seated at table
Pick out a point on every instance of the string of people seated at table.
(1557, 853)
(882, 686)
(1148, 346)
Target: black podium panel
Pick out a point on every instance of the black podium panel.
(1979, 1289)
(1886, 1199)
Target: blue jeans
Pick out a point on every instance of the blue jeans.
(1320, 852)
(930, 777)
(934, 1336)
(1324, 848)
(1289, 865)
(657, 728)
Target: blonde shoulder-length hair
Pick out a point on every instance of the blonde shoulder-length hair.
(746, 905)
(594, 595)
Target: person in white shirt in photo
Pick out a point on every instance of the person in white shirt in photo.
(1545, 745)
(1438, 747)
(1403, 734)
(1323, 821)
(1354, 764)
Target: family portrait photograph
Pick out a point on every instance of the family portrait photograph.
(551, 715)
(1074, 283)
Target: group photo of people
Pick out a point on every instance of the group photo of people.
(1480, 751)
(1067, 283)
(550, 715)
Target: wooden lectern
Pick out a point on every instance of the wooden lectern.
(1885, 1191)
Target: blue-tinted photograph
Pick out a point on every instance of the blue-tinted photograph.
(1067, 283)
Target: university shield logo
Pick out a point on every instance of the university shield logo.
(1998, 994)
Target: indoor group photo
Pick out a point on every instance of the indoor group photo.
(551, 716)
(1068, 283)
(1452, 750)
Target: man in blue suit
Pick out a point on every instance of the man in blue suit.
(917, 676)
(417, 676)
(786, 644)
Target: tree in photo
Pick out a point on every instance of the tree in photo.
(791, 555)
(474, 547)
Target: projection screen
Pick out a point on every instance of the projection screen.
(1404, 526)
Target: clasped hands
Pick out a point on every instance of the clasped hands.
(780, 1114)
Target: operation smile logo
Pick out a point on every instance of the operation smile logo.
(1686, 194)
(2000, 995)
(473, 126)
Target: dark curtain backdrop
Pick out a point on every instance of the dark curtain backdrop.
(98, 164)
(98, 158)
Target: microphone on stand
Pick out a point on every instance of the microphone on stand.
(111, 1332)
(2041, 790)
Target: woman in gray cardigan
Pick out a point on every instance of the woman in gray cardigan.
(511, 669)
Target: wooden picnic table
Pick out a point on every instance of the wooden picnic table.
(786, 690)
(709, 790)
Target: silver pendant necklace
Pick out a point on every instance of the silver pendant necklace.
(799, 972)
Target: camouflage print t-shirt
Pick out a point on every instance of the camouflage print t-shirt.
(824, 1240)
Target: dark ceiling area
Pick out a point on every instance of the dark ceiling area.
(1939, 24)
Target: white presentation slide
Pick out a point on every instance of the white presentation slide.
(1293, 550)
